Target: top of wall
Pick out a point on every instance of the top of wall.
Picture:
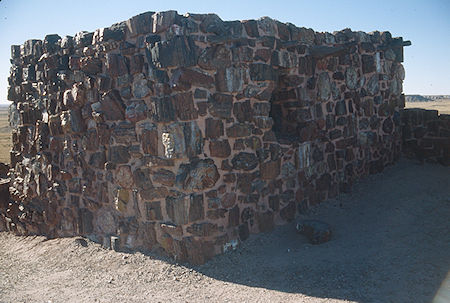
(207, 28)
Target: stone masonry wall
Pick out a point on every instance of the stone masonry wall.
(188, 133)
(426, 135)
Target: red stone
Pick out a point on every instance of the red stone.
(270, 170)
(239, 130)
(112, 107)
(228, 200)
(214, 128)
(187, 76)
(219, 148)
(149, 141)
(202, 229)
(117, 65)
(164, 177)
(184, 106)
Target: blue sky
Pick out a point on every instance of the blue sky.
(425, 23)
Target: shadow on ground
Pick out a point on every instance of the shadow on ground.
(391, 243)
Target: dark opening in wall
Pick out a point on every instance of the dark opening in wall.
(286, 107)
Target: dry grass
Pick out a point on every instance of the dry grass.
(5, 135)
(443, 106)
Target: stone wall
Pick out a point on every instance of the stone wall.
(188, 133)
(426, 135)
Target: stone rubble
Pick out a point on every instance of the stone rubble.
(426, 135)
(317, 232)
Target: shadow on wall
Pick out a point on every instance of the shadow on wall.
(388, 245)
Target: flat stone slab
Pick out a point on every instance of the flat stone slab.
(316, 231)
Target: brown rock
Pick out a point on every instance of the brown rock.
(316, 231)
(243, 111)
(221, 105)
(198, 175)
(203, 229)
(215, 214)
(228, 200)
(154, 161)
(147, 234)
(229, 178)
(97, 160)
(183, 77)
(153, 211)
(124, 177)
(214, 128)
(219, 148)
(149, 141)
(251, 27)
(164, 177)
(245, 161)
(177, 210)
(196, 210)
(215, 57)
(91, 139)
(173, 230)
(111, 106)
(368, 64)
(263, 54)
(154, 193)
(263, 122)
(244, 182)
(119, 154)
(163, 109)
(117, 65)
(230, 79)
(202, 108)
(140, 24)
(136, 111)
(270, 170)
(184, 106)
(136, 64)
(239, 130)
(91, 65)
(124, 133)
(198, 251)
(178, 51)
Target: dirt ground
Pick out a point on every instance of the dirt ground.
(391, 243)
(442, 105)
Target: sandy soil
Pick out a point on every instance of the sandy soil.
(443, 105)
(5, 135)
(391, 244)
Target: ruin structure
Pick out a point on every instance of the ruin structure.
(188, 133)
(426, 135)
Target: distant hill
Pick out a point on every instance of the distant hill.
(416, 98)
(425, 98)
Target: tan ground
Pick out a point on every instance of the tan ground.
(391, 243)
(5, 135)
(443, 106)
